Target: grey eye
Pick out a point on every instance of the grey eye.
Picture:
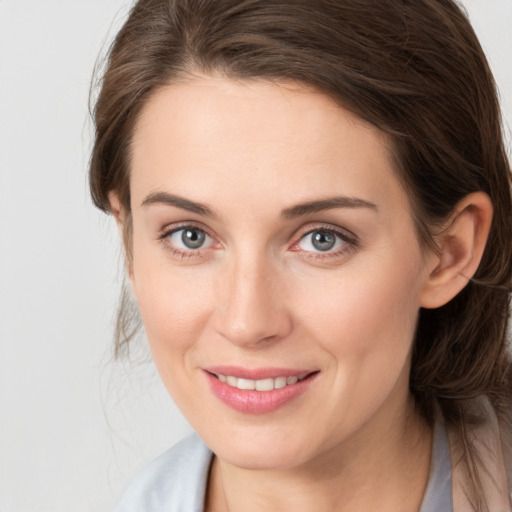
(190, 239)
(320, 240)
(193, 238)
(323, 241)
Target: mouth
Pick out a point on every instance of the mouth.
(267, 384)
(258, 391)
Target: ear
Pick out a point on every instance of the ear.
(121, 218)
(116, 209)
(461, 246)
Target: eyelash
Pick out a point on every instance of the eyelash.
(183, 254)
(349, 242)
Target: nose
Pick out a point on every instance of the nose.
(251, 309)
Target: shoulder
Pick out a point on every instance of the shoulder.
(438, 495)
(176, 480)
(482, 471)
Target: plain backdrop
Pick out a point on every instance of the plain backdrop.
(75, 427)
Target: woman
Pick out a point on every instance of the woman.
(315, 204)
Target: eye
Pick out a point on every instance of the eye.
(322, 240)
(189, 238)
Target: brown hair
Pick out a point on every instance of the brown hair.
(415, 70)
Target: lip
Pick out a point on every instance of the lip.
(258, 402)
(258, 373)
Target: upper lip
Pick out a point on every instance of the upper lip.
(258, 373)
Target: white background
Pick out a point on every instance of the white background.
(74, 427)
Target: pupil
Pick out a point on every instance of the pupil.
(192, 238)
(323, 241)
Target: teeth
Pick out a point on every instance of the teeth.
(246, 384)
(232, 381)
(264, 384)
(280, 382)
(258, 385)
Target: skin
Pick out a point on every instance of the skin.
(258, 293)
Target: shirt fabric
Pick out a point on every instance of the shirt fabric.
(176, 481)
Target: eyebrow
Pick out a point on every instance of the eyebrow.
(297, 210)
(178, 202)
(328, 203)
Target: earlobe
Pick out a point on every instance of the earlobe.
(461, 246)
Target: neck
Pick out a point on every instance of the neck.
(384, 469)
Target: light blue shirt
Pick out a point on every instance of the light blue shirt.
(176, 481)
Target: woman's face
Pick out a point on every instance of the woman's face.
(273, 243)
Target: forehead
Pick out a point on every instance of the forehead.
(233, 137)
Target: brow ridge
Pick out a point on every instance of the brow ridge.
(178, 202)
(297, 210)
(326, 204)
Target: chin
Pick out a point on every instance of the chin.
(257, 459)
(263, 450)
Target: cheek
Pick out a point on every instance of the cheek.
(367, 327)
(366, 319)
(174, 307)
(174, 303)
(365, 301)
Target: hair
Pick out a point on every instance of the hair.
(415, 70)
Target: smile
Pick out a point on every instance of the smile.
(258, 391)
(259, 385)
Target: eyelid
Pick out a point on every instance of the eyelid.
(350, 241)
(343, 233)
(165, 233)
(171, 228)
(173, 236)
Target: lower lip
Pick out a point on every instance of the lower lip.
(257, 402)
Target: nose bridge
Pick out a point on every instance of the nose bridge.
(251, 308)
